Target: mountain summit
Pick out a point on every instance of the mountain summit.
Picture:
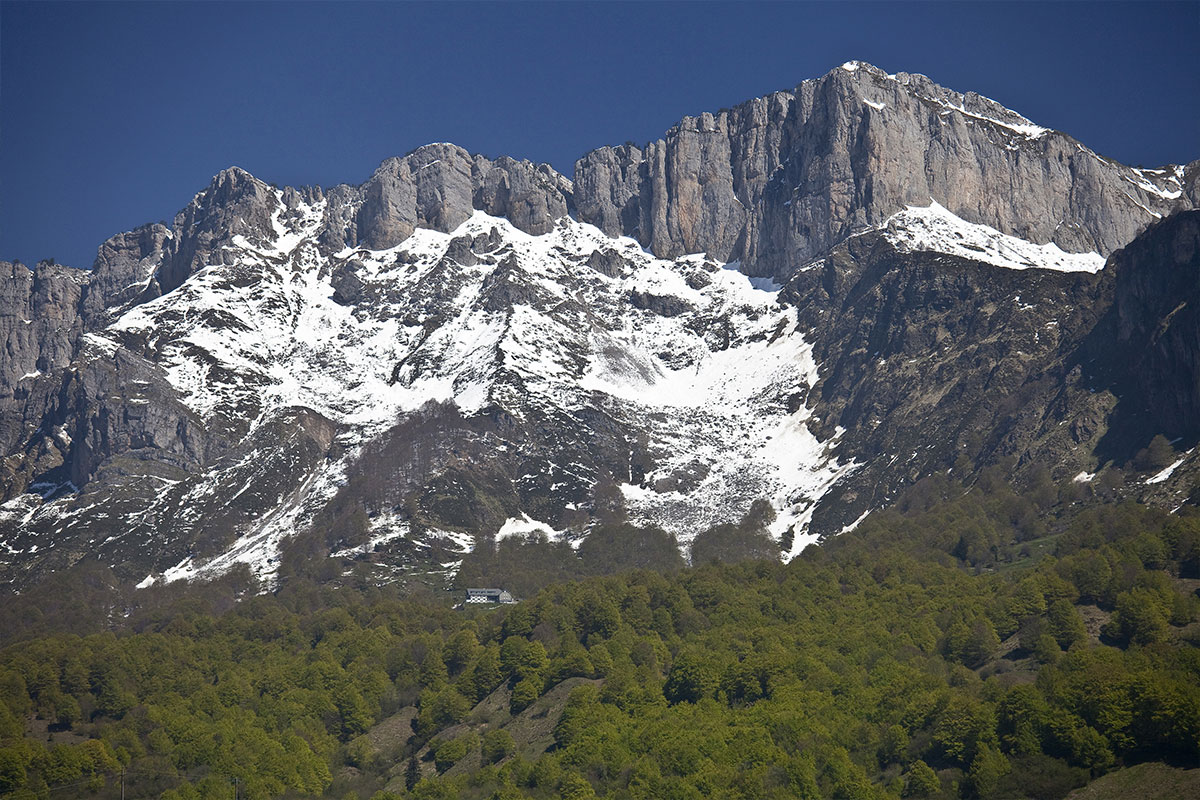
(814, 299)
(779, 180)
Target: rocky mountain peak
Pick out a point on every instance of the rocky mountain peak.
(234, 204)
(123, 272)
(860, 74)
(439, 186)
(780, 180)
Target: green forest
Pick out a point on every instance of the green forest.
(969, 643)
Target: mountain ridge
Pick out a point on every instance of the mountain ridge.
(209, 389)
(1155, 188)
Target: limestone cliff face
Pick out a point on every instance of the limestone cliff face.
(774, 183)
(782, 179)
(439, 185)
(40, 328)
(123, 272)
(39, 319)
(235, 204)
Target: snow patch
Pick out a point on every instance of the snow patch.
(1018, 124)
(933, 228)
(463, 542)
(857, 522)
(384, 528)
(1166, 473)
(259, 546)
(524, 526)
(1140, 180)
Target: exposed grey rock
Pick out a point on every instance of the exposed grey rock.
(1191, 182)
(347, 286)
(606, 262)
(530, 196)
(122, 405)
(663, 305)
(506, 287)
(40, 326)
(235, 204)
(461, 251)
(1023, 368)
(438, 186)
(39, 319)
(340, 227)
(486, 243)
(123, 272)
(912, 344)
(153, 514)
(40, 329)
(782, 179)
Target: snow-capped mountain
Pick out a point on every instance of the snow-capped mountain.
(463, 348)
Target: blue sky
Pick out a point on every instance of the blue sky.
(115, 114)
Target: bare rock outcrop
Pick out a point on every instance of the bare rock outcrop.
(1147, 348)
(235, 204)
(782, 179)
(40, 328)
(438, 186)
(123, 273)
(40, 321)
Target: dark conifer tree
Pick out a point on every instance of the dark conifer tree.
(412, 774)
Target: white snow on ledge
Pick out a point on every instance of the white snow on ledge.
(1143, 183)
(933, 228)
(524, 525)
(1024, 127)
(1166, 473)
(853, 525)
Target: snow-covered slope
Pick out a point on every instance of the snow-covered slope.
(695, 361)
(703, 375)
(934, 229)
(262, 332)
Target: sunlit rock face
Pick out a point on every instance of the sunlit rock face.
(816, 299)
(779, 180)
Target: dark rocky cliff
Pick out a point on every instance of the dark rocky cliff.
(1146, 349)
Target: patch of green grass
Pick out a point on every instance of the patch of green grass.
(1150, 781)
